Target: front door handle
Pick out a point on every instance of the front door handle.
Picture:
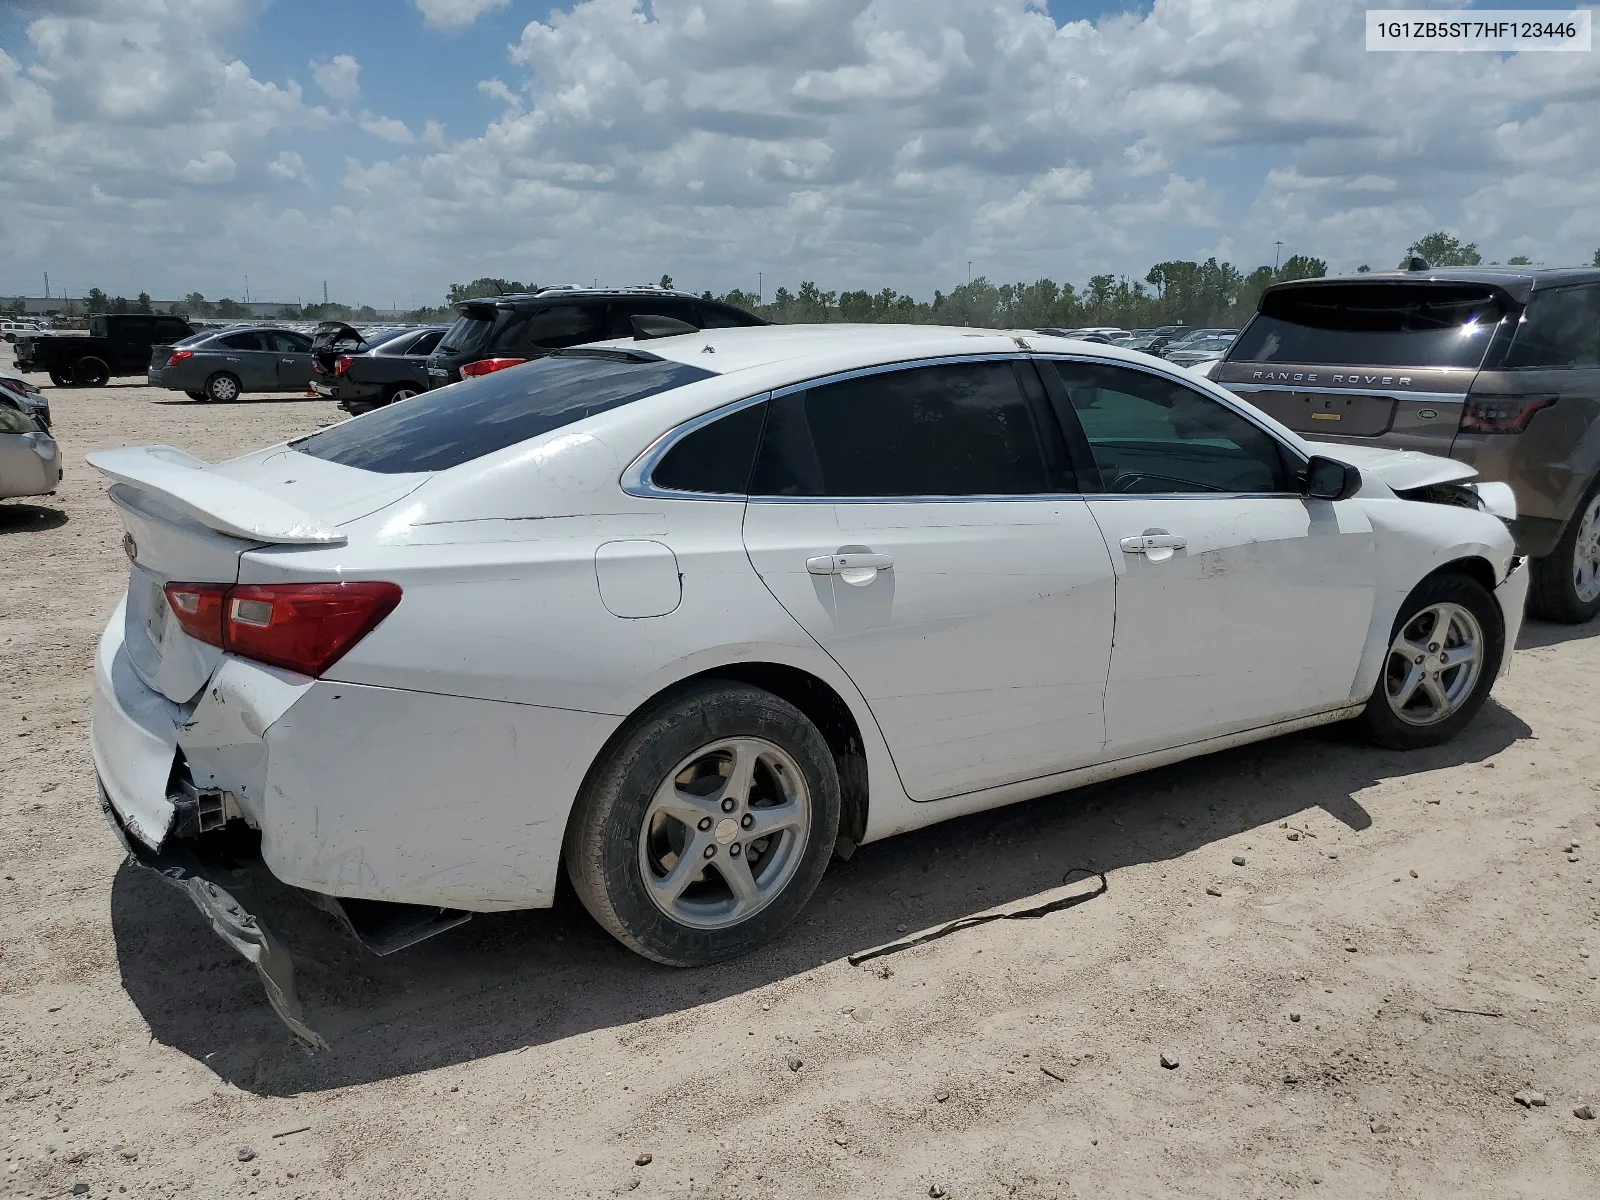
(839, 564)
(1153, 539)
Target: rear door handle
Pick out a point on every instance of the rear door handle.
(838, 564)
(1152, 539)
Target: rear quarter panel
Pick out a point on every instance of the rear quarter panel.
(1551, 464)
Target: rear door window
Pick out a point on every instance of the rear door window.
(450, 426)
(963, 429)
(1373, 325)
(620, 313)
(1559, 328)
(425, 343)
(244, 341)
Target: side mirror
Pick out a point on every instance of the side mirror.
(1329, 479)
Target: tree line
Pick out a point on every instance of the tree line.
(1171, 293)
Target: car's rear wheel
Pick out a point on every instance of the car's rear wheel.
(1566, 582)
(403, 391)
(222, 388)
(1443, 655)
(90, 371)
(61, 378)
(706, 826)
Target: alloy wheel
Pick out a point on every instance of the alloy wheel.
(725, 832)
(1586, 553)
(1433, 664)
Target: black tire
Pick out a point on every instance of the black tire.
(90, 371)
(607, 835)
(201, 396)
(223, 388)
(60, 378)
(1553, 588)
(1382, 723)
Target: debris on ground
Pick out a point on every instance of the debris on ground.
(1584, 1112)
(1530, 1099)
(1213, 890)
(244, 1154)
(1169, 1060)
(1238, 860)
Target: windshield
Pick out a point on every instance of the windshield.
(1373, 325)
(457, 424)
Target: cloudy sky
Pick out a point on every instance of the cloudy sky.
(394, 146)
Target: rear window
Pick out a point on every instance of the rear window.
(453, 425)
(1373, 325)
(468, 332)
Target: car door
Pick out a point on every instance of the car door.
(294, 361)
(415, 356)
(918, 521)
(1240, 601)
(246, 355)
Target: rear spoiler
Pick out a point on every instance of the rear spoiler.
(184, 482)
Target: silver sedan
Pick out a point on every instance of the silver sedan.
(30, 463)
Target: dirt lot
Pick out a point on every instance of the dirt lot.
(1408, 943)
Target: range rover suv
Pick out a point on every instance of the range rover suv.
(1497, 367)
(502, 331)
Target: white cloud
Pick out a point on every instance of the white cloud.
(855, 142)
(339, 77)
(388, 128)
(214, 166)
(289, 166)
(455, 14)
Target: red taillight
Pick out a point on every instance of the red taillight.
(198, 607)
(178, 356)
(487, 366)
(304, 627)
(341, 365)
(1501, 414)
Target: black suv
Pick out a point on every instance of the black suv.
(502, 331)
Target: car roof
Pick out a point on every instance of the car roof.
(1518, 282)
(844, 345)
(565, 290)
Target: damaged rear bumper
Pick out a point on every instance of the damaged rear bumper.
(176, 864)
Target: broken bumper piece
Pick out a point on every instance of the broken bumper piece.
(177, 865)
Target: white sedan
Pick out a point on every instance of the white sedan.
(686, 615)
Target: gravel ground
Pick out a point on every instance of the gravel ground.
(1409, 943)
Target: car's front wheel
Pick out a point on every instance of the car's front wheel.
(1443, 655)
(1566, 582)
(707, 825)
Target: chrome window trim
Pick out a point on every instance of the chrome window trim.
(636, 478)
(1388, 394)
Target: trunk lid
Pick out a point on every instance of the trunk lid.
(190, 521)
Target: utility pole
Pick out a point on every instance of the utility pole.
(324, 291)
(1276, 255)
(761, 280)
(247, 289)
(969, 272)
(47, 285)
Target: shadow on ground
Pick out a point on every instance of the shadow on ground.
(250, 398)
(29, 518)
(1536, 635)
(509, 980)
